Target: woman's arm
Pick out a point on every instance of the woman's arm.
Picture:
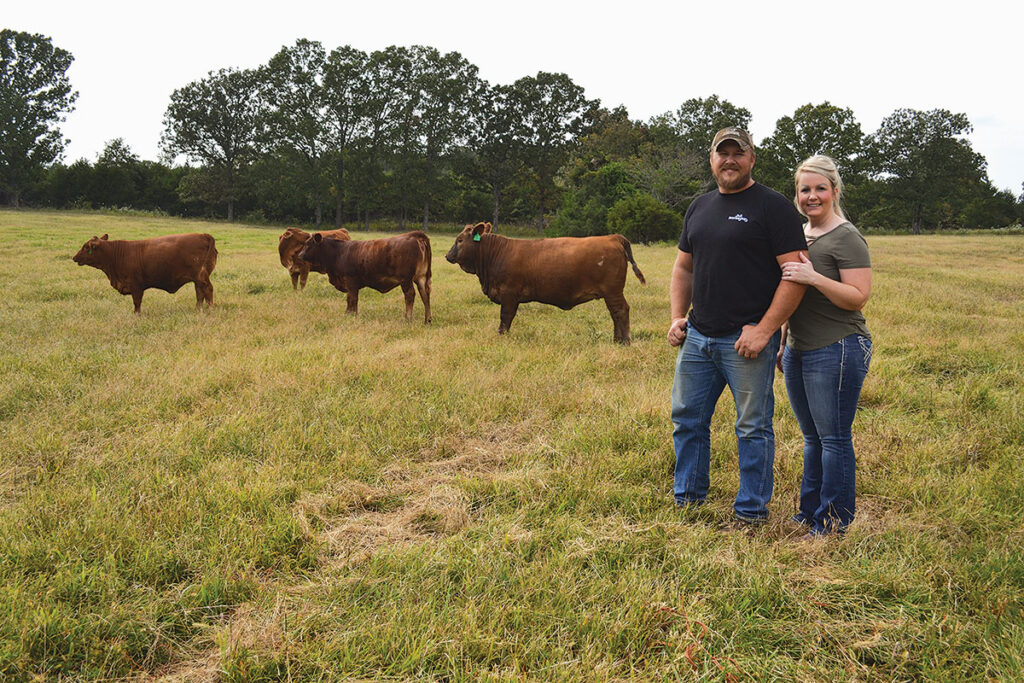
(850, 292)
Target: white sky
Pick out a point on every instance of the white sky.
(871, 56)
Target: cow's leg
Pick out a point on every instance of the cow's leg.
(410, 298)
(353, 301)
(303, 274)
(423, 285)
(619, 310)
(204, 291)
(508, 312)
(295, 281)
(137, 300)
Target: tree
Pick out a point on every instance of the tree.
(642, 218)
(697, 120)
(584, 208)
(447, 82)
(218, 121)
(991, 208)
(612, 137)
(388, 149)
(35, 96)
(116, 176)
(926, 164)
(496, 141)
(347, 94)
(813, 129)
(666, 168)
(298, 117)
(555, 114)
(1020, 205)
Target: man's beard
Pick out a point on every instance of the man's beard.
(738, 183)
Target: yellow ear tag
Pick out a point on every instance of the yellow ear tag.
(476, 237)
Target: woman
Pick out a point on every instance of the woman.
(828, 346)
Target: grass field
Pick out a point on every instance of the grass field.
(276, 491)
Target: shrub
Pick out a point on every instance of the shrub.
(642, 218)
(584, 208)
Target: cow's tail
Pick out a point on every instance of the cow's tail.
(629, 257)
(211, 256)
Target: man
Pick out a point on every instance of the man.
(733, 243)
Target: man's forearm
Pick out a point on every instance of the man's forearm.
(680, 293)
(787, 298)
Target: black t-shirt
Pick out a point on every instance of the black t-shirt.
(734, 239)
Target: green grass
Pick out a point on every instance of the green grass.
(275, 490)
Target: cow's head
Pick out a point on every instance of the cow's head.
(91, 252)
(290, 243)
(313, 251)
(466, 249)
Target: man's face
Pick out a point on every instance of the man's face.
(731, 165)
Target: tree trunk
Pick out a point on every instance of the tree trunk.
(319, 213)
(339, 211)
(231, 191)
(426, 214)
(496, 194)
(540, 218)
(915, 226)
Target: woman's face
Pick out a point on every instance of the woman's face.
(815, 195)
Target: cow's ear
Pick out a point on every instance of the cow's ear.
(104, 236)
(479, 229)
(487, 227)
(318, 238)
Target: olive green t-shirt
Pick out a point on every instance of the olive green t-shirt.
(818, 322)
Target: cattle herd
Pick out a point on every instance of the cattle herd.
(563, 271)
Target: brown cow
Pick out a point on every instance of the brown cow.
(563, 271)
(381, 264)
(166, 263)
(291, 242)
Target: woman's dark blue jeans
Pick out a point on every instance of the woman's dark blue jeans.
(824, 387)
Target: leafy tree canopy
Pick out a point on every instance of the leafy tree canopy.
(35, 96)
(697, 120)
(117, 153)
(218, 121)
(925, 159)
(812, 129)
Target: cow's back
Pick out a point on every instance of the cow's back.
(170, 261)
(387, 262)
(562, 271)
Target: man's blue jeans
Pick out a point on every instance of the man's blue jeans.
(824, 386)
(704, 366)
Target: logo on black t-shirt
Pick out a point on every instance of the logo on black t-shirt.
(739, 217)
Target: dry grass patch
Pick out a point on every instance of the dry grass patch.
(419, 499)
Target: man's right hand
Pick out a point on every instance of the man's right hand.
(677, 332)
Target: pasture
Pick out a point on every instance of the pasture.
(274, 490)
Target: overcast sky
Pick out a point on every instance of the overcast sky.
(870, 56)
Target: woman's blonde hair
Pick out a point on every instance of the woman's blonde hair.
(824, 166)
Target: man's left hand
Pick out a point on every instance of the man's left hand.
(751, 342)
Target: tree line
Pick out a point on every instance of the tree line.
(410, 135)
